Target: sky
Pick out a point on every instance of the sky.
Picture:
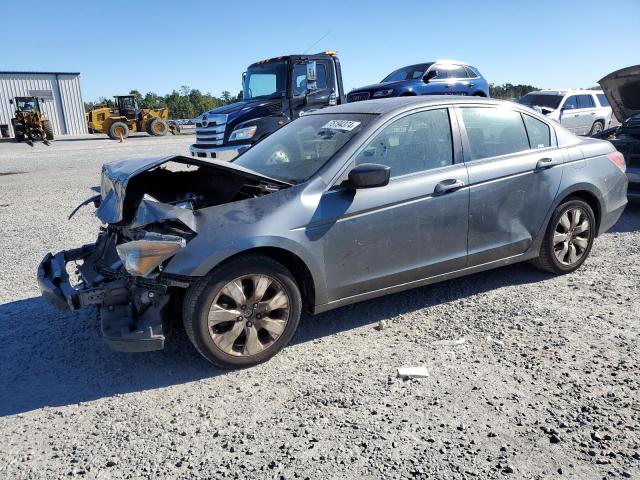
(160, 46)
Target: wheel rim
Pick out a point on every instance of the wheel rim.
(157, 127)
(572, 236)
(248, 315)
(597, 128)
(119, 131)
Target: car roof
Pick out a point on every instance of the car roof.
(565, 91)
(399, 104)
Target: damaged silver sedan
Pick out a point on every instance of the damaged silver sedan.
(342, 205)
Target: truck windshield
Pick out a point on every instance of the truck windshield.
(298, 150)
(541, 100)
(265, 80)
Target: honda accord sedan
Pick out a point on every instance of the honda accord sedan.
(342, 205)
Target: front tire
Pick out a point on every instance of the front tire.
(118, 130)
(597, 127)
(568, 239)
(158, 127)
(48, 129)
(243, 312)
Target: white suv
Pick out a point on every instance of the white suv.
(584, 112)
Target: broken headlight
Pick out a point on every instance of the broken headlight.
(140, 257)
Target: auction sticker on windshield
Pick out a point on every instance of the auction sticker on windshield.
(346, 125)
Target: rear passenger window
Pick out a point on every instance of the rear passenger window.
(415, 143)
(603, 100)
(457, 71)
(586, 101)
(539, 132)
(493, 132)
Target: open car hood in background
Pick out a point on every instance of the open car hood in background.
(622, 89)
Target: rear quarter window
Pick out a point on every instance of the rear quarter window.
(603, 99)
(539, 132)
(493, 132)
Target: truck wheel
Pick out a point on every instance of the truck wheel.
(568, 239)
(158, 127)
(36, 135)
(48, 129)
(597, 127)
(243, 312)
(18, 130)
(118, 128)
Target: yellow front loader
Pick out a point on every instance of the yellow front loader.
(126, 117)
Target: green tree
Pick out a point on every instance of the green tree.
(226, 97)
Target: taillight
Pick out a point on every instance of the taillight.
(617, 158)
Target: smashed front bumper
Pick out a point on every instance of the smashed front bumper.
(131, 310)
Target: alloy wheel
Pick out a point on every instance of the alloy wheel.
(248, 315)
(572, 236)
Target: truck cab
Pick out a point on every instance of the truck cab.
(275, 92)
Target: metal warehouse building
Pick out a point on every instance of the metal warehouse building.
(59, 95)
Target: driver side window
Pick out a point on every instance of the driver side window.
(300, 78)
(414, 143)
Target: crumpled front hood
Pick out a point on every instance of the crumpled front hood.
(117, 175)
(622, 89)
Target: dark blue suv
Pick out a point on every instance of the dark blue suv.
(442, 77)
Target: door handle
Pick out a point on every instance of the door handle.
(471, 84)
(545, 163)
(449, 185)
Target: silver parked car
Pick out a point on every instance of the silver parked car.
(583, 112)
(342, 205)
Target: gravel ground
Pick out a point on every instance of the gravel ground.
(545, 384)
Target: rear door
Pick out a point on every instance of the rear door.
(414, 227)
(514, 175)
(459, 80)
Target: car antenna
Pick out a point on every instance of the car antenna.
(316, 42)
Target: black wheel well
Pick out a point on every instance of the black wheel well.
(291, 262)
(479, 94)
(591, 200)
(408, 94)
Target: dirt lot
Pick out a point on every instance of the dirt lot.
(545, 384)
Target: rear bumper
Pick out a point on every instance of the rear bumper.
(130, 315)
(633, 175)
(221, 153)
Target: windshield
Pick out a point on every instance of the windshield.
(298, 150)
(541, 100)
(265, 80)
(411, 72)
(27, 104)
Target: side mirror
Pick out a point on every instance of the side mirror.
(11, 101)
(244, 76)
(431, 74)
(369, 175)
(311, 75)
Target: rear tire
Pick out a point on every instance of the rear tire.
(568, 239)
(48, 129)
(118, 128)
(597, 127)
(221, 329)
(158, 127)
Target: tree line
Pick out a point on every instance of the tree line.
(183, 103)
(509, 91)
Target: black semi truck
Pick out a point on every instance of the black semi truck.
(275, 92)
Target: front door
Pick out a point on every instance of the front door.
(305, 100)
(569, 114)
(414, 227)
(514, 175)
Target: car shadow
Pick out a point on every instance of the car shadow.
(53, 358)
(630, 219)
